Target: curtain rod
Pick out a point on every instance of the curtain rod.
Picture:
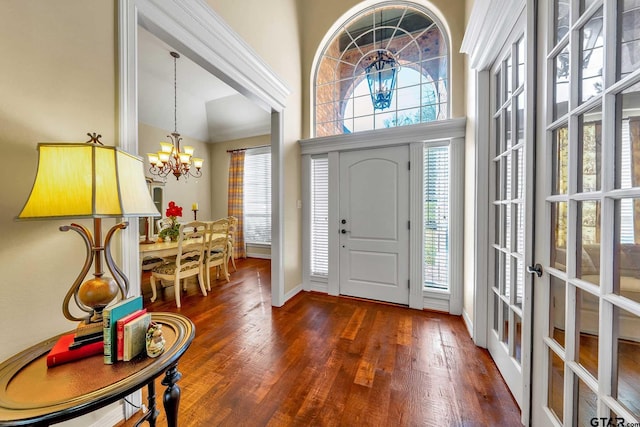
(247, 148)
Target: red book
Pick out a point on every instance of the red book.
(60, 352)
(120, 330)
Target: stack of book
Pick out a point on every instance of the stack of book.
(67, 349)
(120, 336)
(124, 330)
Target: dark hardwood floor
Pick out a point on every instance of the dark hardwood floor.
(326, 361)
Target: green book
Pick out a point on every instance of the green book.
(110, 316)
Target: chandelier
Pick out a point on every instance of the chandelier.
(170, 158)
(381, 76)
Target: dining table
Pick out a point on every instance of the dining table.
(163, 249)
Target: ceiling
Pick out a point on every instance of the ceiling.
(207, 109)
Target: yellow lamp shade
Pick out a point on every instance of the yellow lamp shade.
(86, 180)
(189, 150)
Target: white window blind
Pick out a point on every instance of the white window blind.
(320, 216)
(257, 196)
(436, 217)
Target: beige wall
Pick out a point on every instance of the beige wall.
(57, 83)
(272, 29)
(183, 193)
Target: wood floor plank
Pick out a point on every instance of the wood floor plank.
(322, 360)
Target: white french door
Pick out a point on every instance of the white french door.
(374, 216)
(509, 311)
(587, 304)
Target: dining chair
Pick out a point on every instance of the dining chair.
(217, 250)
(187, 263)
(233, 227)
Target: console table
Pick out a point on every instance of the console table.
(34, 395)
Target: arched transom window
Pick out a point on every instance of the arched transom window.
(385, 67)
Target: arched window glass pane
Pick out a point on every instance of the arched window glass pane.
(355, 90)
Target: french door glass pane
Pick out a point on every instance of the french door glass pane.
(496, 319)
(584, 5)
(507, 126)
(519, 284)
(561, 23)
(560, 160)
(590, 150)
(505, 323)
(587, 342)
(561, 82)
(557, 297)
(628, 36)
(518, 338)
(627, 277)
(520, 118)
(592, 59)
(521, 59)
(588, 247)
(559, 236)
(587, 403)
(556, 385)
(626, 384)
(519, 235)
(628, 146)
(509, 76)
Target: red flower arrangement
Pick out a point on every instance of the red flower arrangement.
(173, 211)
(173, 230)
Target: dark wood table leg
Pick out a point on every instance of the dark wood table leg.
(171, 397)
(153, 412)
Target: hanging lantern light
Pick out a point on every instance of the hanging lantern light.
(381, 76)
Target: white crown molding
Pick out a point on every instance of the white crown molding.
(431, 131)
(191, 25)
(238, 132)
(488, 28)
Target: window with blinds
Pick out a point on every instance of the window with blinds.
(257, 196)
(320, 216)
(436, 217)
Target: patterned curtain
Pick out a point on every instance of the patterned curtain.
(235, 201)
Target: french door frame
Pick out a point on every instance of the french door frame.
(608, 194)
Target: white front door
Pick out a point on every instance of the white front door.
(509, 311)
(587, 303)
(374, 224)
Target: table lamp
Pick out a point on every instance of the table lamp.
(89, 180)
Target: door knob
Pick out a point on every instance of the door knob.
(344, 221)
(537, 269)
(343, 231)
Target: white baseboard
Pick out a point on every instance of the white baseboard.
(257, 255)
(111, 418)
(292, 293)
(436, 304)
(319, 287)
(467, 322)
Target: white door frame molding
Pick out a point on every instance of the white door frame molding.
(193, 28)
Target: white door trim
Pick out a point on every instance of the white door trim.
(197, 31)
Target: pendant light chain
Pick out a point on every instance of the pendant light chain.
(175, 93)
